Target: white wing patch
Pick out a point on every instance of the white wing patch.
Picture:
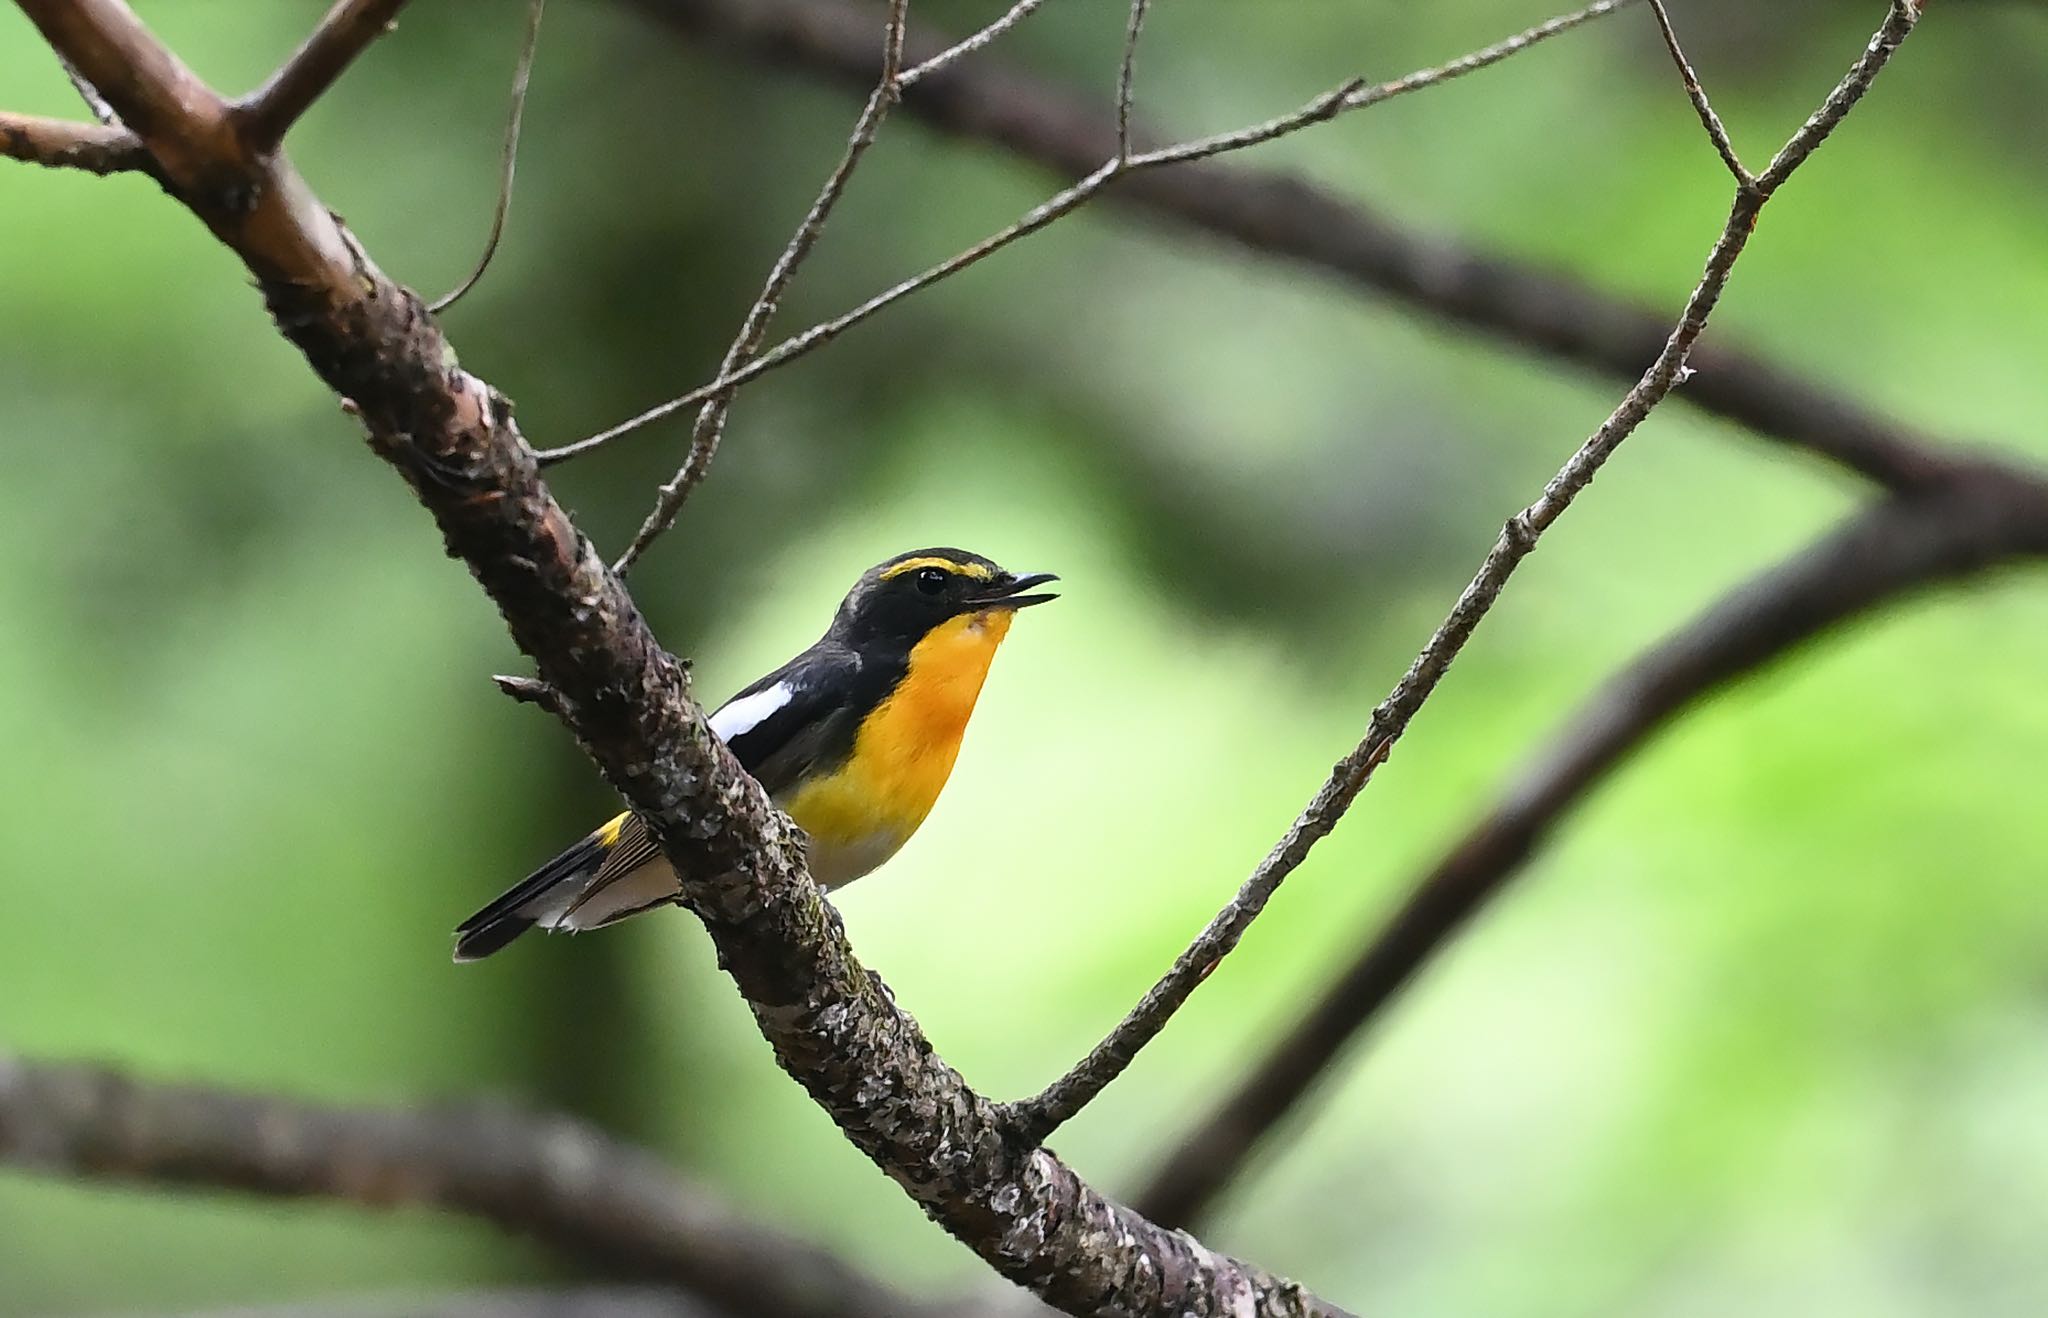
(736, 718)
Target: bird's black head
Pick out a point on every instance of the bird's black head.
(904, 598)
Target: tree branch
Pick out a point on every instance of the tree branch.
(1986, 516)
(1525, 306)
(546, 1177)
(1038, 1117)
(1352, 94)
(1716, 131)
(833, 1025)
(710, 424)
(62, 144)
(349, 28)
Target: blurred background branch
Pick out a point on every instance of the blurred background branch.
(617, 1209)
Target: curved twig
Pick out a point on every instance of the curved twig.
(1985, 517)
(508, 160)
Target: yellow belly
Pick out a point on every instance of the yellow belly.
(863, 813)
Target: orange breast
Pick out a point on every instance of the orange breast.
(859, 816)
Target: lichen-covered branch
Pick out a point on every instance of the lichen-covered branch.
(833, 1025)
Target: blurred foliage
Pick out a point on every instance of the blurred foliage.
(1763, 1033)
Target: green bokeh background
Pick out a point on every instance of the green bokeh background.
(1763, 1032)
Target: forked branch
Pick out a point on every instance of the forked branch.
(1292, 219)
(349, 28)
(1351, 95)
(710, 424)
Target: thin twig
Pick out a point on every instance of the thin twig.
(1038, 1117)
(1976, 519)
(1016, 14)
(349, 28)
(1132, 32)
(63, 144)
(710, 424)
(1698, 94)
(522, 74)
(1511, 301)
(1071, 198)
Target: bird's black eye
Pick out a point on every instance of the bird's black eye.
(930, 580)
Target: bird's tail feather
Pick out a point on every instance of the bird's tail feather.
(540, 897)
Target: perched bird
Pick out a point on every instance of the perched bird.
(853, 738)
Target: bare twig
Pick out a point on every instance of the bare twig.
(1701, 106)
(546, 1177)
(522, 75)
(1354, 93)
(924, 68)
(1286, 217)
(1038, 1117)
(62, 144)
(710, 424)
(1133, 30)
(834, 1026)
(349, 28)
(1982, 517)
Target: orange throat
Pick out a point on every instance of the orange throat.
(903, 754)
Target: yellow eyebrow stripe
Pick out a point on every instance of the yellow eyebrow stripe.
(974, 570)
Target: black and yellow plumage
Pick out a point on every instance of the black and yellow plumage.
(854, 738)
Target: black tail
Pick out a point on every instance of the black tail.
(519, 907)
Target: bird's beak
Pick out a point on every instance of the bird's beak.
(1008, 592)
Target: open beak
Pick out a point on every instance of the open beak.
(1008, 593)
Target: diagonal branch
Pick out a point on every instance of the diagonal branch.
(63, 144)
(1983, 518)
(1353, 94)
(549, 1178)
(710, 424)
(349, 28)
(1280, 215)
(1038, 1117)
(967, 45)
(834, 1026)
(1133, 30)
(1698, 95)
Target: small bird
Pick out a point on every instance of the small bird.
(853, 738)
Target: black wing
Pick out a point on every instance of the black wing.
(802, 717)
